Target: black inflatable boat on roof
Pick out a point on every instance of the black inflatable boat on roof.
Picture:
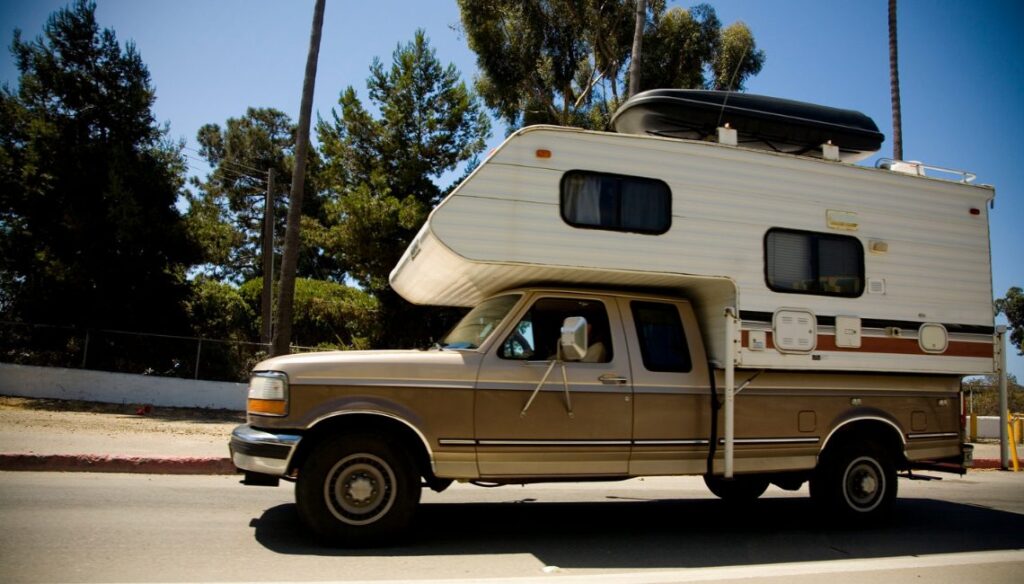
(770, 123)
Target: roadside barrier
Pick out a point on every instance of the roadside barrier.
(1013, 432)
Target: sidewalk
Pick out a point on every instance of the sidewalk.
(40, 435)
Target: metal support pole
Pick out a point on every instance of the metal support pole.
(1004, 446)
(85, 350)
(199, 351)
(730, 389)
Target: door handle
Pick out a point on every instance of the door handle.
(612, 379)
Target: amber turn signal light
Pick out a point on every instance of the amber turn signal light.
(271, 407)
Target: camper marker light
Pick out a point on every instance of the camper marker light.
(543, 153)
(975, 211)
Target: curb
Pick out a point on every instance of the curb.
(181, 465)
(986, 464)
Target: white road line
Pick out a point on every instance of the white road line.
(751, 572)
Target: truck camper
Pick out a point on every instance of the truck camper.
(713, 289)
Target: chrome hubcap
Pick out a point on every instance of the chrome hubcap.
(864, 484)
(360, 489)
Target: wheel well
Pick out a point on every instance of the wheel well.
(881, 433)
(395, 431)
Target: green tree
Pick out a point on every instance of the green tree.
(89, 232)
(218, 310)
(563, 61)
(1013, 307)
(327, 314)
(385, 169)
(226, 210)
(984, 395)
(220, 315)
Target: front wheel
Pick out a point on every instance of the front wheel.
(857, 484)
(358, 491)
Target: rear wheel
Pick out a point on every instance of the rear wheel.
(856, 483)
(358, 491)
(737, 489)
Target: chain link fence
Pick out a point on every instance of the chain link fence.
(131, 352)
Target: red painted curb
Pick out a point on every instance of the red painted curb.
(125, 464)
(986, 463)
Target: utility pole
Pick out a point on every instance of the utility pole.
(290, 258)
(267, 311)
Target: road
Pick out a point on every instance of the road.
(149, 528)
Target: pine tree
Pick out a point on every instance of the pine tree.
(385, 170)
(89, 232)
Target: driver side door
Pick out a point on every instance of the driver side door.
(587, 434)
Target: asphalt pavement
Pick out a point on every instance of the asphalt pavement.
(96, 527)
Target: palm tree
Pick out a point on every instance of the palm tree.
(290, 257)
(638, 38)
(894, 84)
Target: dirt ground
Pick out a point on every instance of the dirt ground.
(122, 420)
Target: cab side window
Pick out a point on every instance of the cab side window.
(535, 336)
(663, 345)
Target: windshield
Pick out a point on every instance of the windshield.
(475, 327)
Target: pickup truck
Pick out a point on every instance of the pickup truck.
(553, 384)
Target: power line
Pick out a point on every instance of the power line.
(225, 168)
(221, 168)
(236, 163)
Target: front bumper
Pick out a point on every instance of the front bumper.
(262, 452)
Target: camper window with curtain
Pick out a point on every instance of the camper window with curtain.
(805, 262)
(616, 202)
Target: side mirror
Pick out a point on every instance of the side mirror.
(574, 338)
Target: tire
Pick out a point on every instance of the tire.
(741, 489)
(856, 484)
(358, 491)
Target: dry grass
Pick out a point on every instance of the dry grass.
(125, 409)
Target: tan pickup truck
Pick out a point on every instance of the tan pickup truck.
(559, 384)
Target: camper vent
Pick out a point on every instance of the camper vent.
(795, 331)
(876, 286)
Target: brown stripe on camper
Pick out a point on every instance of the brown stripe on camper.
(890, 345)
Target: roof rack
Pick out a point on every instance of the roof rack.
(918, 169)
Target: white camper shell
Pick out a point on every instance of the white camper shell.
(829, 266)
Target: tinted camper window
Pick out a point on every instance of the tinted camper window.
(805, 262)
(616, 202)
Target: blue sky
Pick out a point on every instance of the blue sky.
(961, 70)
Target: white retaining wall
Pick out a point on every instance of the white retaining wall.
(988, 428)
(102, 386)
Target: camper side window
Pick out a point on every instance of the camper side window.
(616, 202)
(806, 262)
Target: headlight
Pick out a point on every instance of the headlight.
(268, 393)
